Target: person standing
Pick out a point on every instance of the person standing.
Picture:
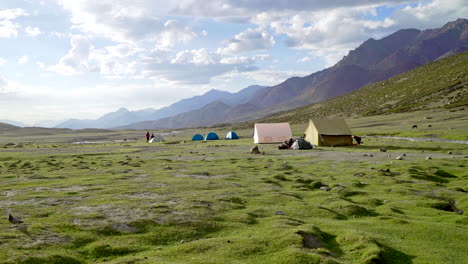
(147, 136)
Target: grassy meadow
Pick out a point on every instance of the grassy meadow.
(211, 202)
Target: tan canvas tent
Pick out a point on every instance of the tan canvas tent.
(272, 132)
(328, 132)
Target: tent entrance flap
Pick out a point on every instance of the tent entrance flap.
(332, 140)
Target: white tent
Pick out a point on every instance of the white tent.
(157, 138)
(272, 132)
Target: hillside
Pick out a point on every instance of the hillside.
(374, 60)
(441, 84)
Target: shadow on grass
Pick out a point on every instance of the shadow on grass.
(391, 255)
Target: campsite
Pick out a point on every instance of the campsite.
(184, 201)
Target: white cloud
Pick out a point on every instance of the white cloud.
(23, 59)
(8, 28)
(197, 66)
(173, 33)
(76, 60)
(249, 40)
(304, 59)
(32, 31)
(2, 61)
(431, 14)
(265, 77)
(127, 21)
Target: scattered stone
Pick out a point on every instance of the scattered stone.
(279, 212)
(325, 188)
(371, 155)
(254, 150)
(414, 126)
(182, 241)
(427, 117)
(168, 168)
(14, 220)
(450, 153)
(108, 164)
(365, 155)
(383, 149)
(429, 125)
(404, 154)
(428, 158)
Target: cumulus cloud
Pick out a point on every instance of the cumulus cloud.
(249, 40)
(8, 28)
(23, 59)
(116, 61)
(127, 21)
(197, 66)
(431, 14)
(32, 31)
(174, 32)
(265, 77)
(76, 61)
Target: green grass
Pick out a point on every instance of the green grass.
(211, 202)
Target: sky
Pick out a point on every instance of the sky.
(62, 59)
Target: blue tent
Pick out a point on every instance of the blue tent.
(211, 136)
(231, 135)
(197, 137)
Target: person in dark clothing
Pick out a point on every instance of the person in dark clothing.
(152, 136)
(358, 139)
(147, 136)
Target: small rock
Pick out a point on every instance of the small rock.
(365, 155)
(404, 154)
(370, 155)
(450, 153)
(254, 150)
(168, 168)
(182, 241)
(428, 158)
(325, 188)
(279, 212)
(383, 149)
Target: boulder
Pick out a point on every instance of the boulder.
(254, 150)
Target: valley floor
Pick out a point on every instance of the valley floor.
(212, 202)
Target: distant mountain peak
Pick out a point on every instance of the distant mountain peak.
(123, 109)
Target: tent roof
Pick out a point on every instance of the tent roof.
(332, 127)
(273, 129)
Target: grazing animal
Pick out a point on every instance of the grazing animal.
(414, 126)
(14, 220)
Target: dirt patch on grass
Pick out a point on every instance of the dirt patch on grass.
(141, 195)
(201, 176)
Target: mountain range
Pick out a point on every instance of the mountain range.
(371, 62)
